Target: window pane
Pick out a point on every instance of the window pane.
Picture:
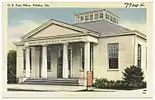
(101, 15)
(91, 17)
(113, 55)
(139, 56)
(96, 16)
(24, 60)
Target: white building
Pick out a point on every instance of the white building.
(94, 42)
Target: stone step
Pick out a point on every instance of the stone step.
(47, 81)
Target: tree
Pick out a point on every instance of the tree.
(133, 75)
(11, 66)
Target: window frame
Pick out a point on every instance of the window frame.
(82, 58)
(96, 17)
(139, 55)
(115, 69)
(24, 59)
(101, 14)
(91, 17)
(49, 58)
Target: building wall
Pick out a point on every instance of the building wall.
(19, 69)
(126, 56)
(143, 44)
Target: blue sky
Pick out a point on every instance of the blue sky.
(23, 20)
(16, 15)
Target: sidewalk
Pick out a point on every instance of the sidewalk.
(45, 88)
(58, 88)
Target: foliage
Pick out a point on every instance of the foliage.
(132, 79)
(133, 75)
(11, 66)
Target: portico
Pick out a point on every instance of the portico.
(63, 45)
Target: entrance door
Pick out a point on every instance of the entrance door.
(60, 63)
(69, 62)
(40, 61)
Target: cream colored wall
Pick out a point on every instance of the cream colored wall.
(76, 68)
(143, 44)
(54, 54)
(126, 56)
(54, 30)
(19, 69)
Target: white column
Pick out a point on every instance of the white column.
(27, 62)
(86, 59)
(65, 60)
(44, 62)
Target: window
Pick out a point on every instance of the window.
(78, 19)
(101, 15)
(113, 55)
(91, 17)
(106, 16)
(30, 58)
(139, 55)
(69, 58)
(82, 18)
(91, 56)
(48, 59)
(114, 20)
(86, 17)
(82, 57)
(96, 16)
(111, 18)
(24, 59)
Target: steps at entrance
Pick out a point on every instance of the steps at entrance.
(56, 81)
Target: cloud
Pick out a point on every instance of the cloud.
(134, 26)
(15, 32)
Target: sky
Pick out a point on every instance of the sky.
(23, 20)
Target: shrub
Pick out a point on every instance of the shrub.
(132, 79)
(11, 67)
(133, 75)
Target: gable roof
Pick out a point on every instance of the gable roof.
(52, 21)
(103, 27)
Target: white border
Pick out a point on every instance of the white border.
(153, 48)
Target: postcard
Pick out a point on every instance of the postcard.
(64, 49)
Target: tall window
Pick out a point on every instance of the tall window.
(91, 56)
(91, 17)
(82, 18)
(113, 49)
(24, 59)
(96, 16)
(82, 57)
(78, 19)
(30, 58)
(86, 17)
(139, 55)
(101, 15)
(49, 59)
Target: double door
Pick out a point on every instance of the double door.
(60, 63)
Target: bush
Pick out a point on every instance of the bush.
(11, 67)
(103, 83)
(133, 75)
(132, 79)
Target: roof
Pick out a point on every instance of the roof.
(52, 21)
(104, 27)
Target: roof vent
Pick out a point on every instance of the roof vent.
(96, 15)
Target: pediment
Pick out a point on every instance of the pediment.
(54, 30)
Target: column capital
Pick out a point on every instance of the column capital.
(44, 45)
(27, 47)
(66, 43)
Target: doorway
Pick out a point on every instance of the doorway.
(60, 63)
